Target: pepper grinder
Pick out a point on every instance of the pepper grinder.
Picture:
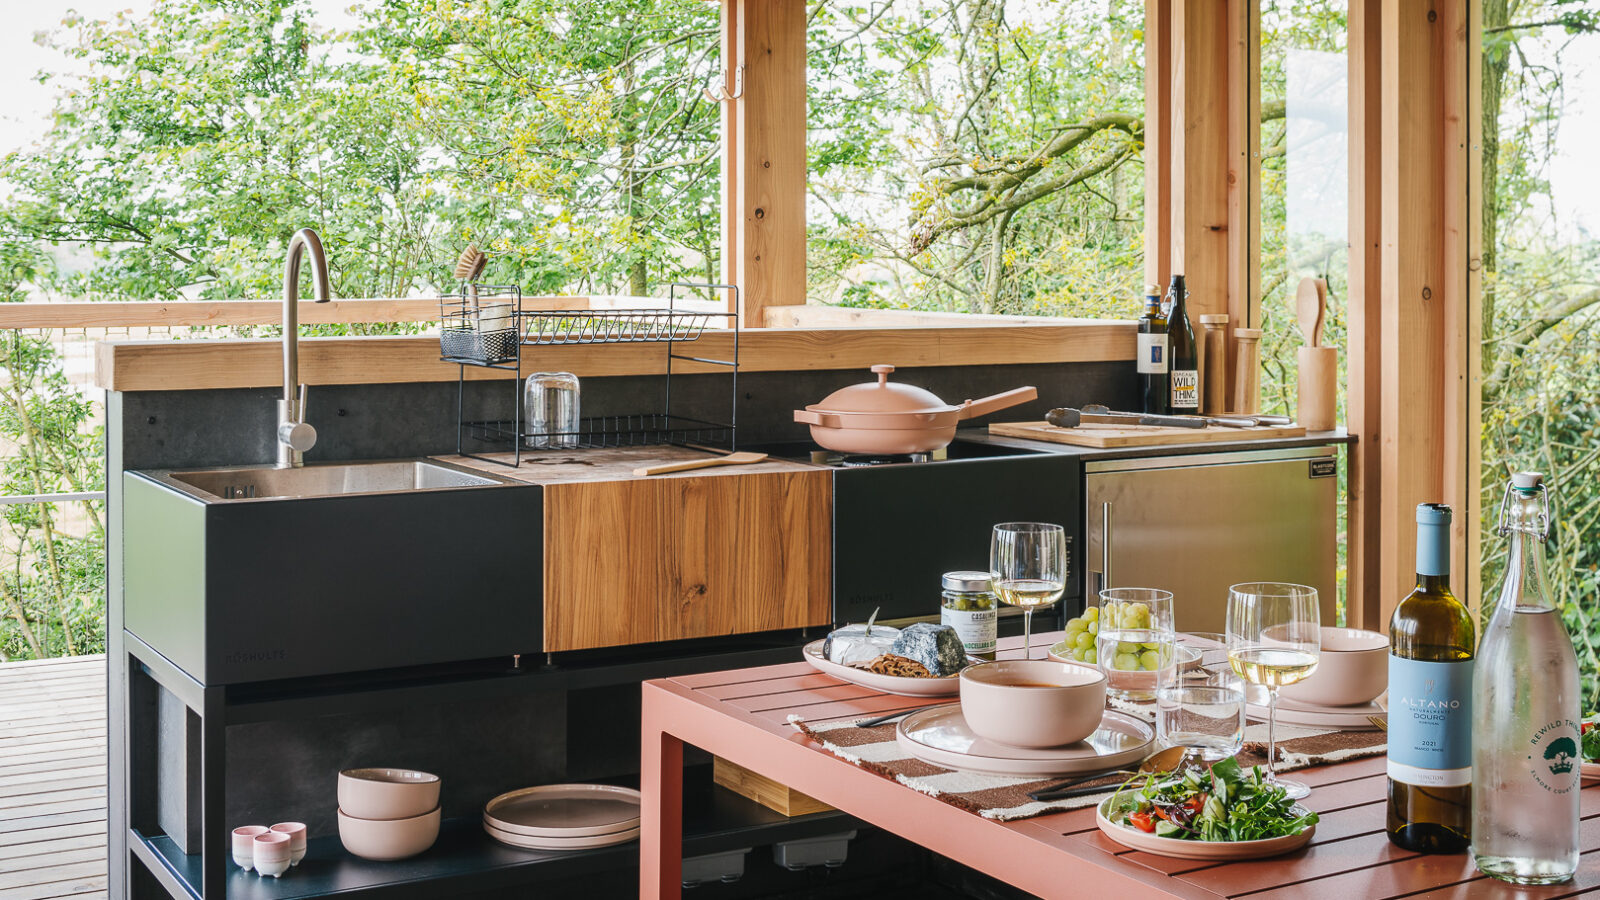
(1214, 364)
(1247, 371)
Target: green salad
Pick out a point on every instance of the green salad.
(1221, 804)
(1591, 742)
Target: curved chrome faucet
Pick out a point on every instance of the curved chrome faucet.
(295, 437)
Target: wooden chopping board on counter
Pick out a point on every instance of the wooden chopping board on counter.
(1109, 436)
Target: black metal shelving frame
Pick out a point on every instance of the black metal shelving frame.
(464, 859)
(671, 326)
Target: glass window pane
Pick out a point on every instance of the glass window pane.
(971, 156)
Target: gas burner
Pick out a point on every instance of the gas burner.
(867, 461)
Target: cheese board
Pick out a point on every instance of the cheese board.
(1105, 435)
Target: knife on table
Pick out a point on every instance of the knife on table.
(1067, 417)
(1097, 409)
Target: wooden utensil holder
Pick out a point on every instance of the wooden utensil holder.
(1317, 406)
(1214, 365)
(1247, 370)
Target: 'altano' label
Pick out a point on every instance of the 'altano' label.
(1430, 722)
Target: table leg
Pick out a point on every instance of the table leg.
(661, 815)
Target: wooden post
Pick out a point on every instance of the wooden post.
(1425, 323)
(766, 154)
(1212, 130)
(1157, 141)
(1364, 382)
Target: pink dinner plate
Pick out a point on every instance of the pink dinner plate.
(939, 735)
(1590, 771)
(530, 842)
(564, 811)
(1135, 839)
(945, 686)
(1346, 718)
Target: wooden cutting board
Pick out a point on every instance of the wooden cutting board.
(1105, 436)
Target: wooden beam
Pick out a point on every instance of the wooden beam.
(1424, 324)
(141, 314)
(1201, 166)
(1364, 393)
(1157, 141)
(845, 316)
(769, 147)
(195, 365)
(732, 205)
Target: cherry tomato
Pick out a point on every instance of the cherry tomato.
(1143, 822)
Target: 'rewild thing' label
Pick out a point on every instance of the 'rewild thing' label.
(1553, 758)
(1430, 722)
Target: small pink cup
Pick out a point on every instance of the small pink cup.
(297, 839)
(272, 853)
(242, 841)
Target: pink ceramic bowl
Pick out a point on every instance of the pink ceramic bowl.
(1353, 669)
(387, 839)
(387, 793)
(272, 853)
(1032, 702)
(297, 839)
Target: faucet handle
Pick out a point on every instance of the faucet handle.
(298, 435)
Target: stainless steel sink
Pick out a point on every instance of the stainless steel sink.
(326, 480)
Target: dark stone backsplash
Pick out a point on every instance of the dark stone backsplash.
(167, 429)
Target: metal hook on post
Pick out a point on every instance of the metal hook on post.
(720, 93)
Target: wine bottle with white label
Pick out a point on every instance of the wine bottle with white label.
(1183, 355)
(1431, 642)
(1153, 354)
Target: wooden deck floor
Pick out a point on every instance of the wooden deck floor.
(53, 778)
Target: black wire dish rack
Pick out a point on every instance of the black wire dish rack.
(472, 333)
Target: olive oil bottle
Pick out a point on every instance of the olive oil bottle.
(1431, 643)
(1153, 354)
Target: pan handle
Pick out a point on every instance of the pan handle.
(974, 408)
(815, 418)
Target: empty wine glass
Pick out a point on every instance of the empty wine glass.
(1028, 566)
(1274, 639)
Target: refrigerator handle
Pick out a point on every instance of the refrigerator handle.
(1105, 546)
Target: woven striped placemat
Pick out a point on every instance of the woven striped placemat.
(1005, 798)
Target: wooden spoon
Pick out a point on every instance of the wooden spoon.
(732, 459)
(1309, 305)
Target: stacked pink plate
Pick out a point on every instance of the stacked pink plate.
(564, 817)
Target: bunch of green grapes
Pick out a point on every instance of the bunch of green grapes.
(1081, 631)
(1131, 656)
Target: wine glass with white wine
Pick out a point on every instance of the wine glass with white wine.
(1028, 569)
(1274, 639)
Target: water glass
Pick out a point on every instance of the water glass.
(1135, 645)
(550, 411)
(1207, 720)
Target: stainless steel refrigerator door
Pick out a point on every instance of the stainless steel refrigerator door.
(1194, 525)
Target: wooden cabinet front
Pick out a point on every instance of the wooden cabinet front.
(640, 560)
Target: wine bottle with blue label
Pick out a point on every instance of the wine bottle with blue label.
(1431, 643)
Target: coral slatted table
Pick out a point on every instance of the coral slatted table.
(742, 716)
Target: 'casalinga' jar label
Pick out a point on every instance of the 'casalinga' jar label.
(1553, 758)
(1430, 722)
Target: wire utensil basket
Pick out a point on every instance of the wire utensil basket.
(480, 324)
